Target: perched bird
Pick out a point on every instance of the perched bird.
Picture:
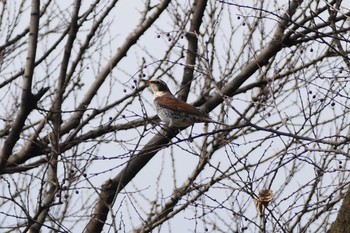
(173, 111)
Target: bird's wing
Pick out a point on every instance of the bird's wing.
(178, 105)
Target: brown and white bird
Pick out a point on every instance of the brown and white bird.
(173, 111)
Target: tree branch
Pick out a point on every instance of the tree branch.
(192, 47)
(28, 100)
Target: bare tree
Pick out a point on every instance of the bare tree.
(78, 125)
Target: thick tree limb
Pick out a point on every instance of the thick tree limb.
(342, 223)
(278, 41)
(113, 186)
(28, 100)
(192, 47)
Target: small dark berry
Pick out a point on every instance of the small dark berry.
(110, 118)
(332, 104)
(76, 192)
(124, 90)
(158, 36)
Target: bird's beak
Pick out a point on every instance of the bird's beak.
(145, 81)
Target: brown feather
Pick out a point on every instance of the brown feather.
(173, 103)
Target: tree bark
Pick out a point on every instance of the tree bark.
(342, 223)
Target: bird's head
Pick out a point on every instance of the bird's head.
(159, 87)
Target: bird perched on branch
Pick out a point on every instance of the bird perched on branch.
(173, 111)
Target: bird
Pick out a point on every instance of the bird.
(173, 111)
